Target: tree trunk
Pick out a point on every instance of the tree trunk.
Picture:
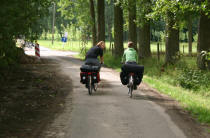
(172, 41)
(92, 12)
(110, 32)
(45, 35)
(204, 33)
(144, 40)
(118, 30)
(203, 37)
(101, 20)
(190, 35)
(132, 25)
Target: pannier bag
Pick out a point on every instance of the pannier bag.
(124, 78)
(132, 68)
(88, 68)
(83, 77)
(95, 77)
(138, 78)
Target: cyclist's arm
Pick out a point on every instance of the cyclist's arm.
(102, 59)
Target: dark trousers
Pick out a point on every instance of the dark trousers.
(131, 62)
(92, 62)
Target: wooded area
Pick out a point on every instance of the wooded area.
(111, 20)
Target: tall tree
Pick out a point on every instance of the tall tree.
(118, 29)
(203, 37)
(132, 24)
(144, 8)
(172, 39)
(101, 20)
(144, 39)
(170, 11)
(92, 12)
(109, 11)
(204, 33)
(190, 35)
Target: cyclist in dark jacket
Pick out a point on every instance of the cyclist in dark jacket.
(93, 53)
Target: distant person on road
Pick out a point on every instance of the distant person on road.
(130, 55)
(93, 53)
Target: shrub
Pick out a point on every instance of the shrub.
(193, 79)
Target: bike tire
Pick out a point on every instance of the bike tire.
(131, 91)
(89, 85)
(95, 86)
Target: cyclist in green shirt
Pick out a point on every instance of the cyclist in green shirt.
(130, 55)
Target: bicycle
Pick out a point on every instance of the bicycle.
(131, 76)
(90, 77)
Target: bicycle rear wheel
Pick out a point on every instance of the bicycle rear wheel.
(89, 85)
(130, 89)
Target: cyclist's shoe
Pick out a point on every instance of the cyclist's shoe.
(86, 85)
(135, 87)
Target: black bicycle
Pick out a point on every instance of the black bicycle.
(90, 77)
(131, 76)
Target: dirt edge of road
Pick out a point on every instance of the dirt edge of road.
(30, 97)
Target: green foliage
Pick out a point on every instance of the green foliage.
(19, 20)
(111, 61)
(193, 79)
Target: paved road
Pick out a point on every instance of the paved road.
(110, 113)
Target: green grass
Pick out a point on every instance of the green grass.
(199, 106)
(58, 45)
(183, 47)
(77, 46)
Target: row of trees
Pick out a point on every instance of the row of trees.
(139, 16)
(29, 19)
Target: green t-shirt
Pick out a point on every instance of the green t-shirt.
(130, 54)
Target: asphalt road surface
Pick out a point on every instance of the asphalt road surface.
(110, 113)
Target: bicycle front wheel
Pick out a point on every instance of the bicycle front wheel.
(131, 91)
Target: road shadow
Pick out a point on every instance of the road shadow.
(150, 98)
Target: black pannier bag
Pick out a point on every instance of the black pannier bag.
(138, 78)
(133, 68)
(88, 68)
(138, 70)
(83, 77)
(124, 78)
(95, 77)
